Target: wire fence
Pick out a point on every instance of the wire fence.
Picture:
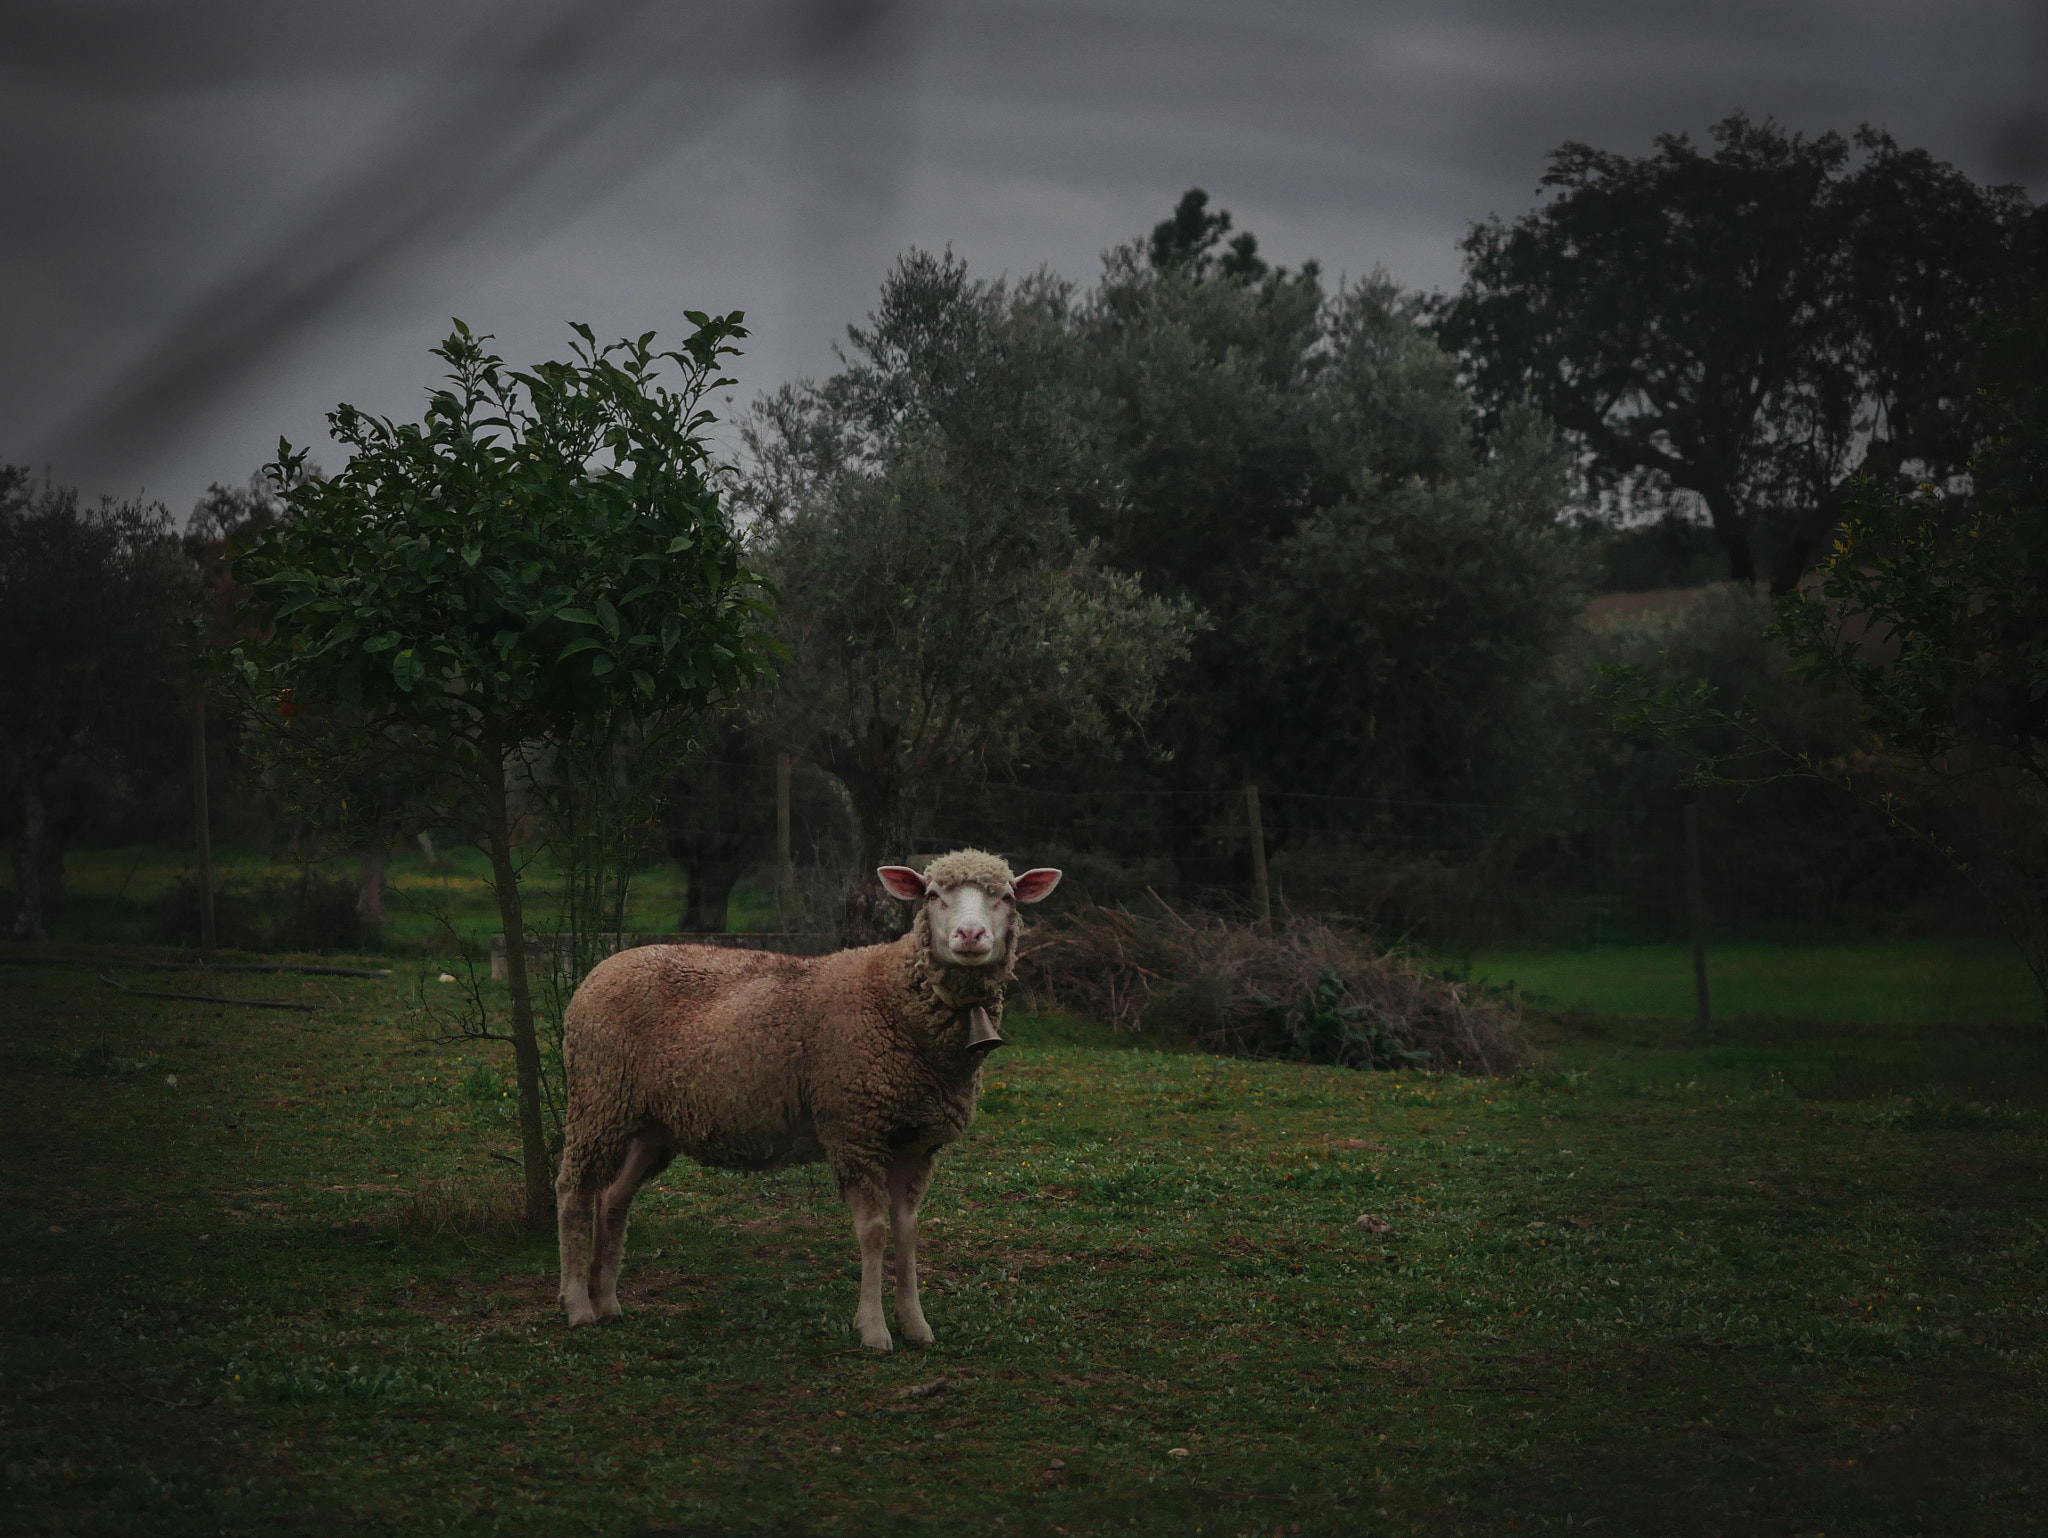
(1451, 866)
(1462, 867)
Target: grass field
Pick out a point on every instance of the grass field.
(1920, 982)
(260, 1282)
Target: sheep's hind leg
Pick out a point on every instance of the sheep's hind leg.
(576, 1188)
(644, 1160)
(871, 1227)
(908, 1179)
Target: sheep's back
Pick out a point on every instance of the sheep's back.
(719, 1049)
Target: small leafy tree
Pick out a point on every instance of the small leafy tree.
(541, 565)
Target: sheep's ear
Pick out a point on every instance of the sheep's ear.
(1036, 884)
(902, 882)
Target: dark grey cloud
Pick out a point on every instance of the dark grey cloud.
(539, 110)
(222, 217)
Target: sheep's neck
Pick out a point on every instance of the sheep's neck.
(959, 988)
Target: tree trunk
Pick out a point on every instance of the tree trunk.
(1732, 529)
(880, 826)
(370, 883)
(32, 864)
(706, 906)
(540, 1185)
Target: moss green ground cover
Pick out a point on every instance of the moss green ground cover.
(252, 1288)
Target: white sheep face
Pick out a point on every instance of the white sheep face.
(970, 925)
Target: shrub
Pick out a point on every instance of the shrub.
(1307, 992)
(1786, 847)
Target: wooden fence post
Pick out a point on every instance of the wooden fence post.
(202, 820)
(785, 870)
(1695, 912)
(1262, 900)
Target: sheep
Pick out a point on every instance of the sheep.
(868, 1060)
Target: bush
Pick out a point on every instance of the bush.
(311, 912)
(1785, 848)
(1306, 993)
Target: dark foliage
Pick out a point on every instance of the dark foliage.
(1931, 622)
(313, 912)
(1752, 324)
(96, 688)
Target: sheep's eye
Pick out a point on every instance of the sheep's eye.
(931, 897)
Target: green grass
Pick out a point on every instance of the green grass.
(1919, 982)
(259, 1281)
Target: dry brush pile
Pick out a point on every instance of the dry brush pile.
(1306, 992)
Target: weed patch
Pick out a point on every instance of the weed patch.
(441, 1209)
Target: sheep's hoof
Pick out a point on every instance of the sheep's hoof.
(877, 1339)
(580, 1314)
(608, 1308)
(919, 1334)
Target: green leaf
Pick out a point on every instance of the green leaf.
(580, 644)
(576, 616)
(645, 681)
(600, 665)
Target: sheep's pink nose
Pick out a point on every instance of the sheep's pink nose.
(970, 937)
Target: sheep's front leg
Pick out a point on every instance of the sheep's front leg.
(871, 1228)
(908, 1179)
(643, 1161)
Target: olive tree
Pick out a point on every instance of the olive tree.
(542, 564)
(917, 513)
(1386, 584)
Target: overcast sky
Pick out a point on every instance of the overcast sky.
(219, 218)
